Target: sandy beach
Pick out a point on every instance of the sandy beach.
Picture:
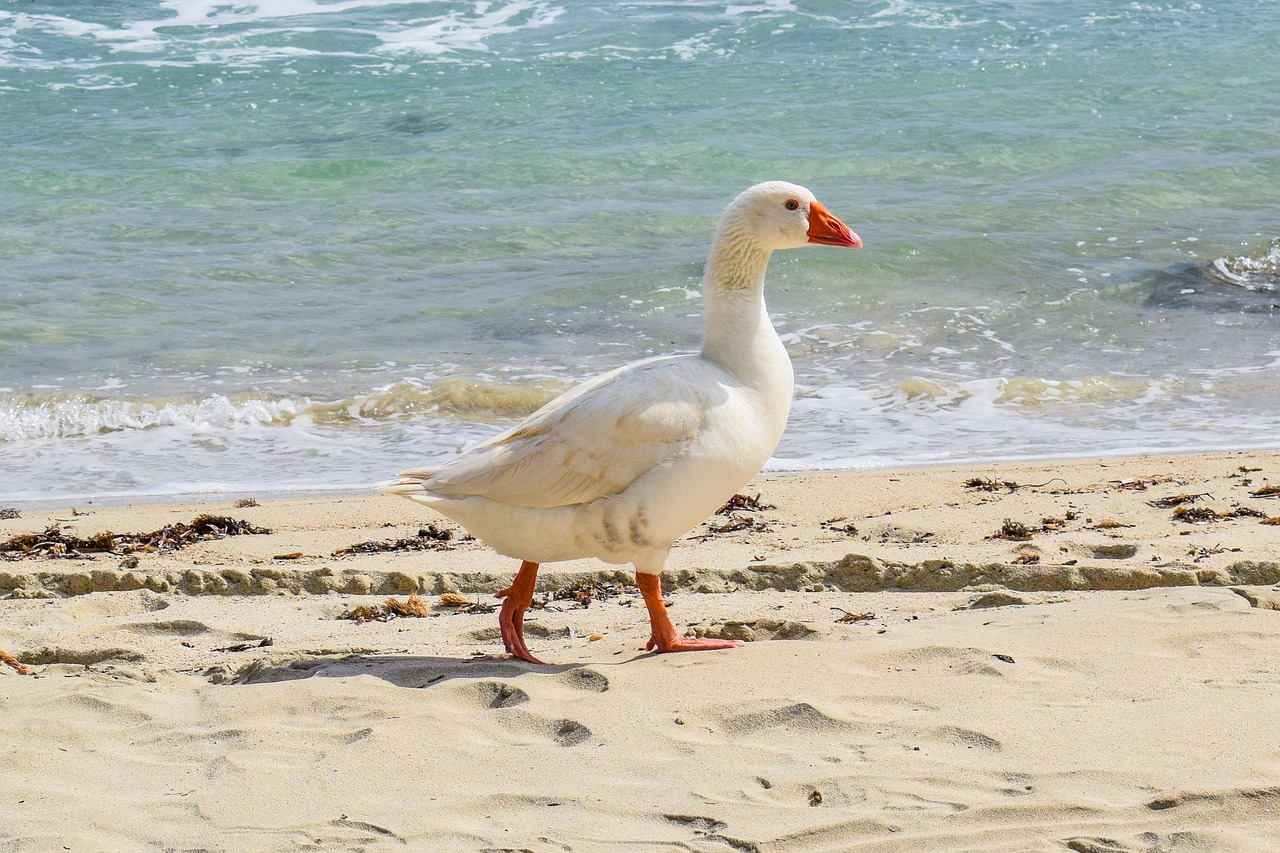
(1060, 655)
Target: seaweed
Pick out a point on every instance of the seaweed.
(1266, 492)
(54, 543)
(984, 484)
(244, 503)
(429, 538)
(1014, 531)
(745, 503)
(733, 525)
(9, 512)
(1204, 514)
(1177, 500)
(10, 660)
(840, 525)
(1141, 484)
(462, 604)
(392, 608)
(846, 617)
(588, 591)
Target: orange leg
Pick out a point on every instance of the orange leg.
(516, 600)
(664, 637)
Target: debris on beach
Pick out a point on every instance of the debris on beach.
(985, 484)
(1014, 531)
(462, 604)
(392, 608)
(8, 512)
(54, 543)
(1198, 554)
(1177, 500)
(1141, 484)
(1026, 557)
(429, 538)
(585, 593)
(10, 660)
(246, 646)
(840, 525)
(1266, 492)
(733, 525)
(847, 617)
(245, 503)
(1204, 514)
(745, 503)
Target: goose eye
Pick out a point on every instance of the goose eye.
(792, 204)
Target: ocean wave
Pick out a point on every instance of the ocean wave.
(1258, 272)
(53, 416)
(195, 32)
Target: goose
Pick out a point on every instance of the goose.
(622, 465)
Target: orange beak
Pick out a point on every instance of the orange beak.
(826, 229)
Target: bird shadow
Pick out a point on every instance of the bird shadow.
(417, 671)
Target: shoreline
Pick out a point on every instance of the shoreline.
(920, 522)
(335, 491)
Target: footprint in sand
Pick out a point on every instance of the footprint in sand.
(586, 679)
(570, 732)
(494, 694)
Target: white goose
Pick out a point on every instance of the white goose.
(621, 466)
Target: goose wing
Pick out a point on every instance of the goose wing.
(593, 441)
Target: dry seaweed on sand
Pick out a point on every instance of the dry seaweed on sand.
(1014, 531)
(247, 645)
(8, 512)
(1204, 553)
(1204, 514)
(846, 617)
(733, 525)
(986, 484)
(1177, 500)
(429, 538)
(1026, 557)
(392, 608)
(840, 525)
(10, 660)
(745, 503)
(1266, 492)
(53, 542)
(1275, 520)
(245, 503)
(1110, 524)
(462, 604)
(1141, 484)
(588, 591)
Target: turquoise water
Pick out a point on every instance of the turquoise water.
(292, 244)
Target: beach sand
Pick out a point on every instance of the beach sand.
(918, 677)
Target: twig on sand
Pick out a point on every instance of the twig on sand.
(9, 659)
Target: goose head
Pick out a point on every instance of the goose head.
(778, 215)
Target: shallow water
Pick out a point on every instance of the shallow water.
(290, 245)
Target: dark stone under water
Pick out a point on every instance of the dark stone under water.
(1240, 284)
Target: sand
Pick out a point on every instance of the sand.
(912, 681)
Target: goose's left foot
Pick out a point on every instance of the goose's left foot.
(664, 637)
(516, 600)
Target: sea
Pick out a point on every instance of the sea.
(253, 247)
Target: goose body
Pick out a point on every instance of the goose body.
(624, 464)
